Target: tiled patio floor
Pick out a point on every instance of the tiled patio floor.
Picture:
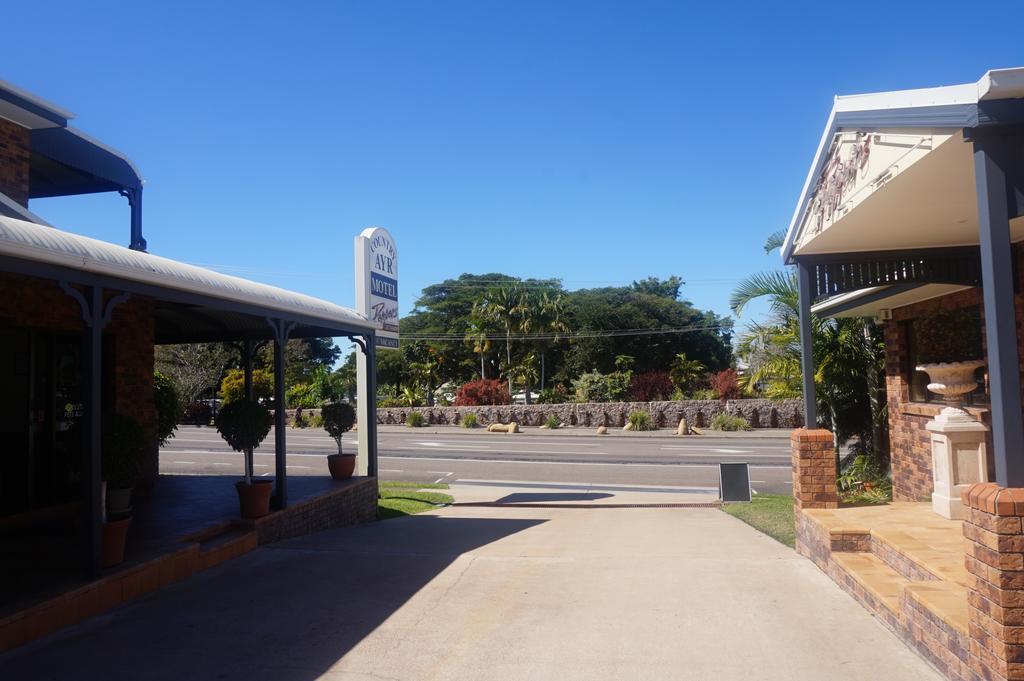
(929, 540)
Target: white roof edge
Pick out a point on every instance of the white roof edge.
(994, 84)
(37, 100)
(829, 303)
(28, 241)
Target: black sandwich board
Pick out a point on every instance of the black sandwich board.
(734, 482)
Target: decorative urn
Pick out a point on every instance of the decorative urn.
(959, 458)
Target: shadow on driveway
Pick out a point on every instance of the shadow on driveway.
(285, 612)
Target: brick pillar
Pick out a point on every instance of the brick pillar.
(995, 596)
(814, 469)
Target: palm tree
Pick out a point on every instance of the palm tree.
(848, 357)
(504, 306)
(478, 333)
(544, 314)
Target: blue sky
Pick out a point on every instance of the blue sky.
(596, 142)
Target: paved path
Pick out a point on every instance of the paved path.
(450, 454)
(470, 593)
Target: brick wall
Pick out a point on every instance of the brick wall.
(40, 304)
(15, 152)
(910, 442)
(352, 502)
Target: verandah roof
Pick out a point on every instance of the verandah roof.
(192, 304)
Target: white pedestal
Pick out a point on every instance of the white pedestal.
(958, 459)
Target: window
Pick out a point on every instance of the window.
(947, 336)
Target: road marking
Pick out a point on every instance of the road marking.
(590, 486)
(720, 450)
(218, 463)
(390, 470)
(446, 446)
(306, 467)
(567, 463)
(442, 477)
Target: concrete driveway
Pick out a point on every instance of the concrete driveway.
(472, 593)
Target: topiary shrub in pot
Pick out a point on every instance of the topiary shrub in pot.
(338, 418)
(123, 443)
(244, 424)
(122, 446)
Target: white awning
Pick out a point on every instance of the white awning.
(50, 247)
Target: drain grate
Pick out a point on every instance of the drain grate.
(681, 504)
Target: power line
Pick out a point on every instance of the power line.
(559, 336)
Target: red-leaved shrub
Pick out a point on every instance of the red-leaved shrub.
(651, 386)
(726, 384)
(486, 391)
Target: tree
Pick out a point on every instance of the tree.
(685, 373)
(504, 306)
(302, 358)
(478, 330)
(194, 367)
(848, 359)
(232, 388)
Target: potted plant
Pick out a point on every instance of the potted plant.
(244, 424)
(339, 417)
(121, 458)
(122, 445)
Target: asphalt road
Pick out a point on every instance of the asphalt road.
(672, 463)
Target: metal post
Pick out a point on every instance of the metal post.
(1000, 316)
(280, 464)
(247, 371)
(371, 404)
(92, 397)
(807, 346)
(134, 196)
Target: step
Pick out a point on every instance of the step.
(921, 553)
(875, 577)
(945, 600)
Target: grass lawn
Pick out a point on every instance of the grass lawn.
(769, 513)
(397, 499)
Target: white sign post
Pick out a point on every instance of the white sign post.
(377, 298)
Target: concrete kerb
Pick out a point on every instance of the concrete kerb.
(581, 431)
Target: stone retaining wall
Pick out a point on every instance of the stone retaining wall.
(698, 413)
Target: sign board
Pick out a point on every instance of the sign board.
(377, 283)
(734, 482)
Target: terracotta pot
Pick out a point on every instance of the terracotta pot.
(254, 498)
(114, 534)
(341, 465)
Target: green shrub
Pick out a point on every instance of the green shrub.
(469, 420)
(123, 442)
(862, 481)
(552, 421)
(243, 424)
(316, 421)
(338, 418)
(232, 388)
(640, 420)
(728, 422)
(598, 387)
(302, 396)
(704, 394)
(168, 407)
(415, 419)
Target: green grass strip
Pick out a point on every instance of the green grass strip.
(769, 513)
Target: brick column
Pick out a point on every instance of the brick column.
(814, 469)
(995, 563)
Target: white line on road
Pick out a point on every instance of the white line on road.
(564, 463)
